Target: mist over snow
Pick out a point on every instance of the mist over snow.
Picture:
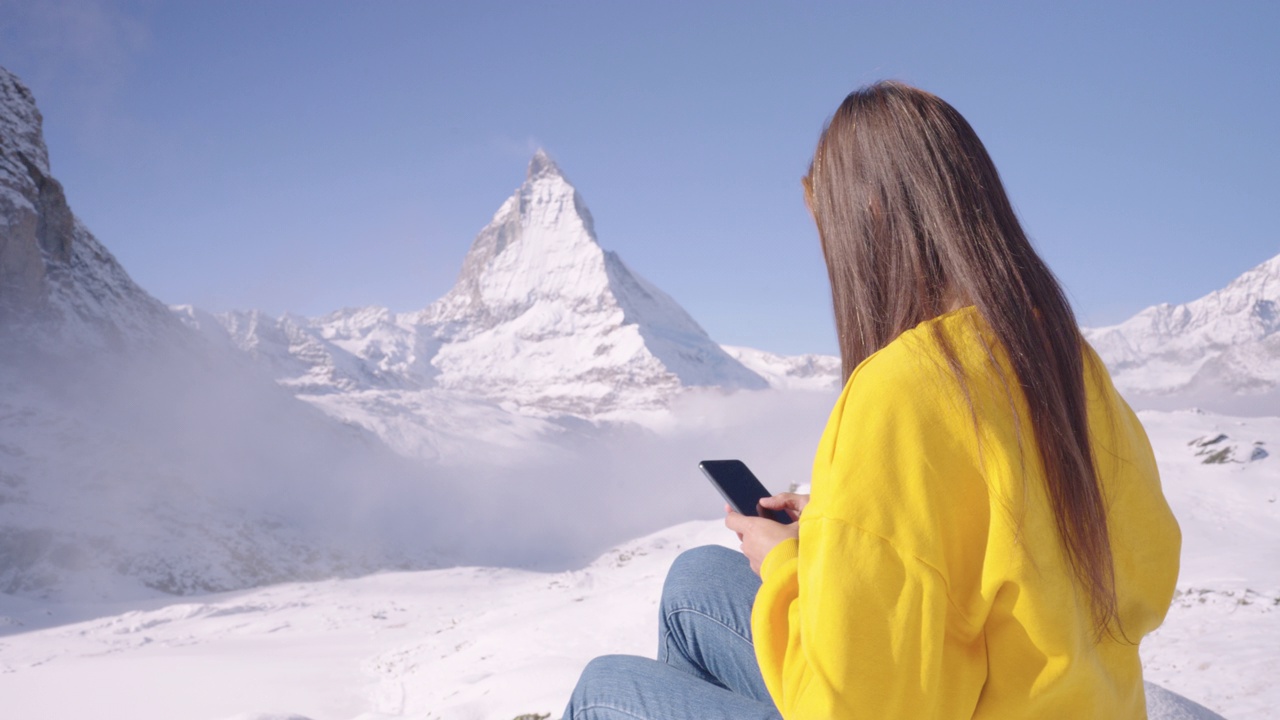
(146, 473)
(605, 485)
(129, 473)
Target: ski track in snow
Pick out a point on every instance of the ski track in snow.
(471, 643)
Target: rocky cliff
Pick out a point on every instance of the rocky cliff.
(58, 285)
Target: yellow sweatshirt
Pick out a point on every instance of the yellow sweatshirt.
(928, 580)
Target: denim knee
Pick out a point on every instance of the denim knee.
(693, 571)
(599, 683)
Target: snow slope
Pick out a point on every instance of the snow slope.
(473, 642)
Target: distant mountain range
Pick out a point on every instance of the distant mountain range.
(1220, 352)
(542, 320)
(542, 327)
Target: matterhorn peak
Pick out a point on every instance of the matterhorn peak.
(549, 197)
(540, 243)
(540, 308)
(541, 164)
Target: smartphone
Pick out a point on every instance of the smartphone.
(740, 488)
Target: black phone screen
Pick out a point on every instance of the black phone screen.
(740, 488)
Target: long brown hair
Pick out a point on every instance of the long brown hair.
(913, 217)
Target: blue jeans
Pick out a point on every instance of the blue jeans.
(706, 667)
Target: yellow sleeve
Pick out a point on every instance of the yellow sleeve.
(854, 619)
(867, 637)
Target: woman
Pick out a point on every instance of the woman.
(986, 536)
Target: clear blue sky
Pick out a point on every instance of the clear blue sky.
(307, 156)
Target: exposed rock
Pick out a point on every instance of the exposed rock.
(59, 286)
(1219, 449)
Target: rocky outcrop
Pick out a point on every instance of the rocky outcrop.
(59, 286)
(35, 222)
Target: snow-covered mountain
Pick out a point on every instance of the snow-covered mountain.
(542, 320)
(543, 315)
(1222, 349)
(791, 372)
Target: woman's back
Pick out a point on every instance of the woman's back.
(986, 536)
(929, 509)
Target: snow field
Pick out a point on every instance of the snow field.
(459, 643)
(471, 643)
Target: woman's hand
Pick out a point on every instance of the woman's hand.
(792, 503)
(758, 535)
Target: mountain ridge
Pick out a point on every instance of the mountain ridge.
(1221, 347)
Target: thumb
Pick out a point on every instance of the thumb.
(781, 501)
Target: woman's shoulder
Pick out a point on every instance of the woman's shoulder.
(899, 458)
(942, 390)
(921, 364)
(908, 397)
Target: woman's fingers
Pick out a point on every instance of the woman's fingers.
(757, 535)
(737, 522)
(775, 502)
(793, 503)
